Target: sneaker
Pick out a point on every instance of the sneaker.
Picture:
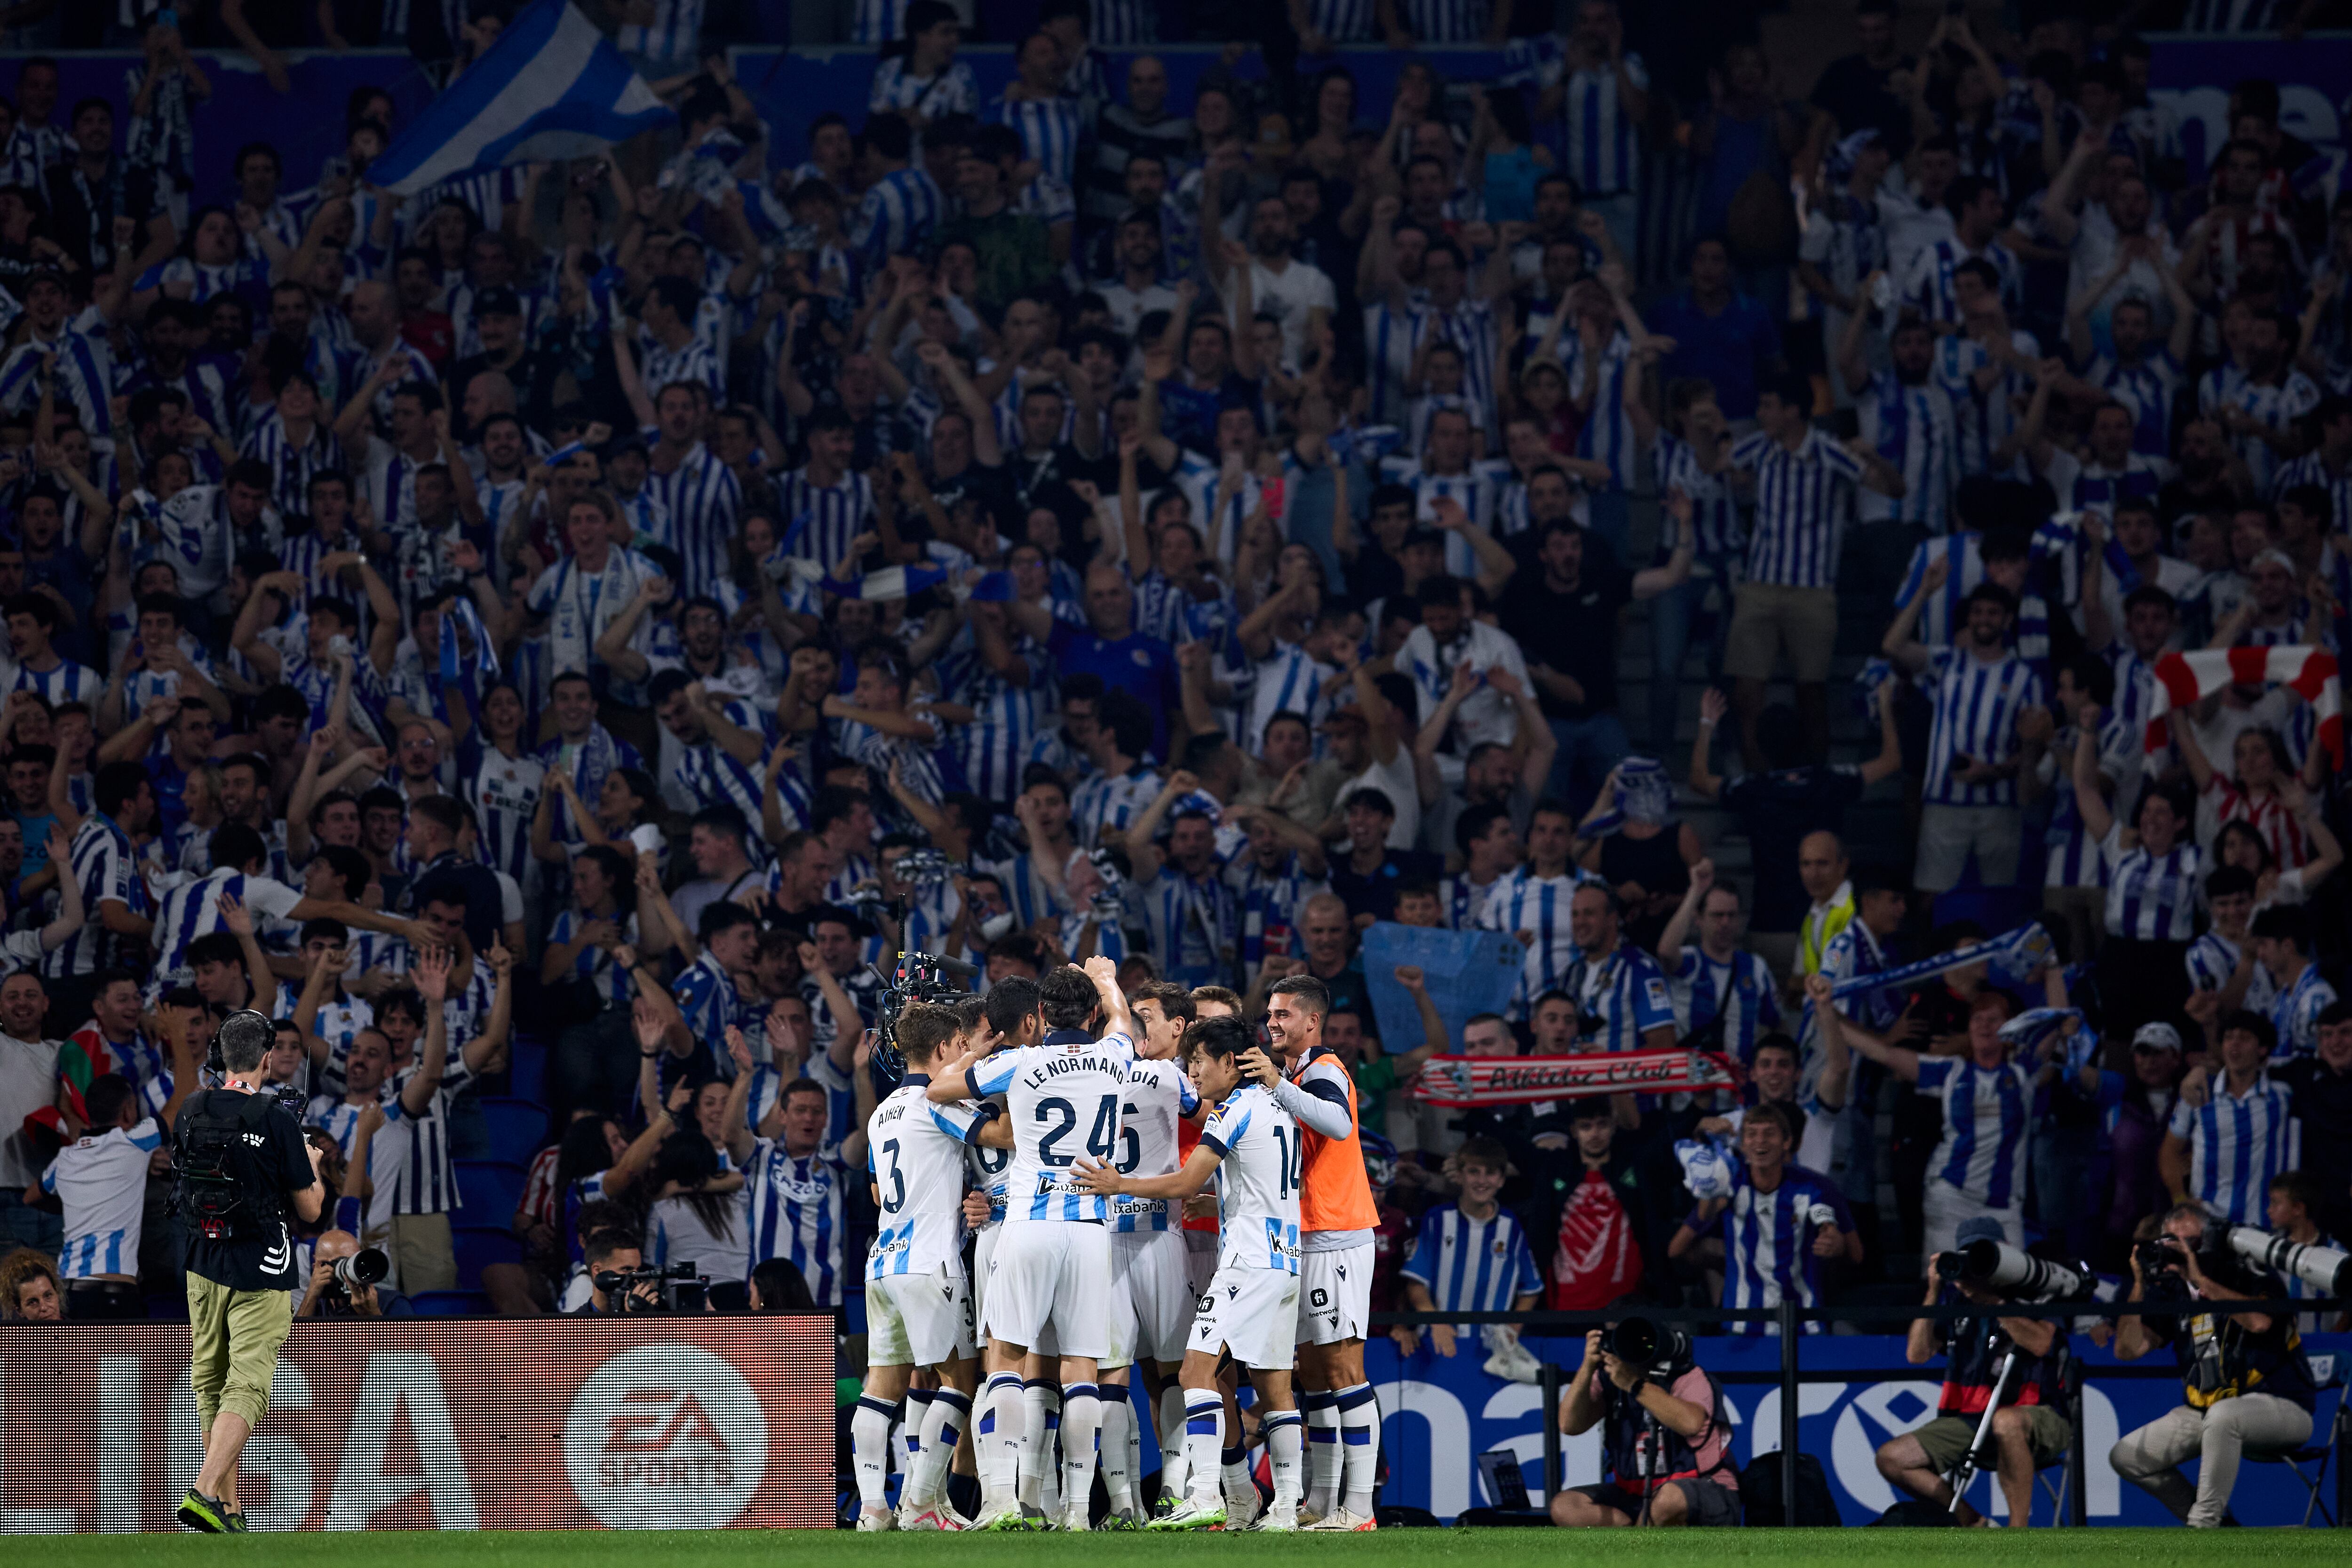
(1008, 1517)
(1281, 1518)
(873, 1520)
(1166, 1505)
(1188, 1515)
(1035, 1518)
(236, 1525)
(203, 1514)
(1339, 1518)
(1307, 1516)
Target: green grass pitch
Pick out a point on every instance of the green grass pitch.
(1390, 1548)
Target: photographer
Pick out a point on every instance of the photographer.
(244, 1167)
(615, 1252)
(329, 1297)
(2031, 1430)
(1666, 1433)
(2244, 1382)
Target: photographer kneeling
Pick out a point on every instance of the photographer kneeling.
(1668, 1441)
(2030, 1430)
(351, 1290)
(2242, 1374)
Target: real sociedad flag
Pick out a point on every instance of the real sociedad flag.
(552, 86)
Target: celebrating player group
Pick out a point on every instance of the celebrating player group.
(1150, 1193)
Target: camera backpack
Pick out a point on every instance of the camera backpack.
(212, 1192)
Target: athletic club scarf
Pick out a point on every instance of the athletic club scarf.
(1482, 1082)
(2181, 678)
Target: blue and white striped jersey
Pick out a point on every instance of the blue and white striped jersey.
(593, 965)
(2097, 487)
(2152, 898)
(1941, 617)
(1607, 436)
(1192, 927)
(1928, 287)
(1064, 1099)
(2295, 1013)
(1738, 991)
(1050, 129)
(1523, 902)
(1473, 1265)
(2311, 468)
(1005, 713)
(915, 1155)
(1103, 805)
(1852, 952)
(700, 498)
(1984, 416)
(1453, 21)
(1619, 998)
(1122, 24)
(896, 88)
(291, 465)
(711, 1002)
(713, 775)
(877, 21)
(1477, 491)
(1288, 680)
(797, 1213)
(427, 1181)
(1715, 515)
(64, 681)
(1033, 897)
(1603, 141)
(1976, 703)
(1159, 1096)
(897, 214)
(2277, 406)
(579, 605)
(103, 863)
(503, 792)
(695, 361)
(2213, 959)
(2075, 860)
(1260, 1155)
(835, 514)
(1913, 427)
(1767, 1245)
(2234, 16)
(1985, 1116)
(1270, 901)
(85, 373)
(1797, 507)
(101, 1182)
(672, 38)
(192, 911)
(2237, 1144)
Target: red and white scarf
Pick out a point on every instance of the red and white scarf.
(2182, 679)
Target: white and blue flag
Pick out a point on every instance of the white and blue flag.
(552, 86)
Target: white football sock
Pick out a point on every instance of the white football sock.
(1284, 1440)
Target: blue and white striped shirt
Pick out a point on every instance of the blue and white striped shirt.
(877, 21)
(1984, 418)
(2237, 1144)
(1738, 991)
(1797, 507)
(1767, 1245)
(103, 861)
(101, 1182)
(2148, 898)
(797, 1213)
(1977, 704)
(1715, 507)
(1608, 433)
(1604, 142)
(1913, 427)
(2277, 406)
(2311, 468)
(1473, 1265)
(715, 776)
(671, 38)
(1103, 805)
(1624, 994)
(1192, 928)
(1928, 290)
(2294, 1013)
(836, 513)
(695, 361)
(2146, 389)
(896, 216)
(1984, 1114)
(291, 467)
(1939, 617)
(1477, 491)
(85, 373)
(1525, 902)
(701, 497)
(951, 91)
(1050, 129)
(1004, 714)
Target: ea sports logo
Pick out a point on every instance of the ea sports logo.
(665, 1437)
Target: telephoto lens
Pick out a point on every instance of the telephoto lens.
(1997, 1266)
(2321, 1267)
(362, 1268)
(1644, 1342)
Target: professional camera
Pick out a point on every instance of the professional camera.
(926, 868)
(676, 1289)
(362, 1268)
(1997, 1266)
(921, 977)
(2163, 1264)
(2321, 1267)
(1641, 1341)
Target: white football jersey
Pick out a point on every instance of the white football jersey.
(101, 1180)
(1256, 1143)
(1159, 1096)
(914, 1153)
(1065, 1102)
(991, 1169)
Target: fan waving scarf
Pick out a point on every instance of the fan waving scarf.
(2181, 678)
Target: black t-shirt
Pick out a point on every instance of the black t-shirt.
(1776, 811)
(990, 487)
(1575, 633)
(1855, 94)
(532, 375)
(269, 1162)
(1376, 894)
(2219, 1356)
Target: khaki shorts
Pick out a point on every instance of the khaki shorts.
(1946, 1438)
(1768, 617)
(423, 1253)
(233, 1342)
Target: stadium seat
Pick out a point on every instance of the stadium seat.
(527, 1069)
(450, 1304)
(490, 1189)
(2308, 1464)
(478, 1245)
(517, 1127)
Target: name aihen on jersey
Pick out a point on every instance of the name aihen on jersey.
(1064, 1101)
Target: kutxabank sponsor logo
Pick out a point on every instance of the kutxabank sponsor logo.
(665, 1437)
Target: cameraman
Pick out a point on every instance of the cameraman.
(615, 1252)
(328, 1296)
(2244, 1380)
(2029, 1432)
(244, 1164)
(1668, 1442)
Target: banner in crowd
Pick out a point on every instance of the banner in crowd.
(2184, 678)
(1466, 972)
(423, 1423)
(1486, 1081)
(1439, 1414)
(2192, 75)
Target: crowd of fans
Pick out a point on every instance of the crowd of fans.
(585, 608)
